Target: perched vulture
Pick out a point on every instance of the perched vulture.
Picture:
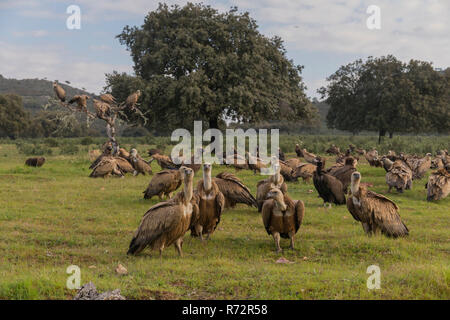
(106, 167)
(419, 166)
(234, 190)
(287, 172)
(330, 189)
(344, 173)
(108, 98)
(164, 161)
(166, 223)
(254, 163)
(298, 151)
(152, 152)
(305, 171)
(133, 99)
(139, 164)
(60, 92)
(81, 101)
(372, 158)
(263, 187)
(399, 176)
(210, 202)
(102, 109)
(107, 151)
(35, 162)
(124, 153)
(437, 163)
(281, 155)
(164, 183)
(361, 152)
(333, 150)
(124, 165)
(438, 186)
(309, 157)
(387, 163)
(282, 216)
(374, 211)
(293, 163)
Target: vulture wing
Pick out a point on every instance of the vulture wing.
(299, 213)
(267, 214)
(234, 190)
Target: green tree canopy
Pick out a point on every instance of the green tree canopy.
(388, 96)
(194, 63)
(13, 117)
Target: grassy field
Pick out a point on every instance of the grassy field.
(55, 216)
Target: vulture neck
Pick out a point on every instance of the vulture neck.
(355, 187)
(207, 184)
(188, 189)
(280, 204)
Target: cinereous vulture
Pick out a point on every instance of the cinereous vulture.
(298, 151)
(166, 223)
(210, 202)
(375, 212)
(438, 186)
(163, 183)
(234, 190)
(330, 189)
(282, 216)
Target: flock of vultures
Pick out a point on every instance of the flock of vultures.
(199, 209)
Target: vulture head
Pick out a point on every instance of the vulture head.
(355, 181)
(320, 163)
(187, 173)
(133, 152)
(278, 196)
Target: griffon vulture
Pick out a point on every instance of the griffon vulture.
(133, 99)
(330, 189)
(263, 187)
(139, 164)
(164, 161)
(333, 150)
(438, 186)
(35, 162)
(374, 211)
(305, 171)
(399, 176)
(107, 166)
(166, 223)
(419, 166)
(107, 151)
(309, 157)
(102, 109)
(164, 183)
(234, 190)
(108, 98)
(81, 101)
(210, 202)
(372, 158)
(254, 163)
(60, 92)
(282, 216)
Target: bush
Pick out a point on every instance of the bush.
(33, 149)
(69, 149)
(51, 142)
(87, 141)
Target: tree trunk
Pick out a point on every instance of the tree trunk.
(381, 134)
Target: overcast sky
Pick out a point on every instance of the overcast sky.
(319, 34)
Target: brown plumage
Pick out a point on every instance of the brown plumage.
(305, 171)
(374, 211)
(35, 162)
(287, 172)
(124, 153)
(293, 163)
(298, 150)
(163, 183)
(330, 189)
(102, 109)
(282, 217)
(107, 151)
(139, 164)
(344, 173)
(236, 161)
(359, 151)
(419, 166)
(333, 150)
(60, 92)
(437, 163)
(234, 190)
(81, 101)
(438, 186)
(263, 187)
(399, 176)
(108, 98)
(164, 161)
(152, 152)
(210, 202)
(254, 163)
(133, 99)
(372, 158)
(166, 223)
(309, 157)
(124, 165)
(106, 167)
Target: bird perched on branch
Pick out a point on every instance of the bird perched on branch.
(133, 99)
(108, 98)
(102, 109)
(81, 101)
(374, 211)
(60, 92)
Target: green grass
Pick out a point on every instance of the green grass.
(55, 216)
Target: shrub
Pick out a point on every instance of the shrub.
(69, 149)
(87, 141)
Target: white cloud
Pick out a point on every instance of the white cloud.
(20, 61)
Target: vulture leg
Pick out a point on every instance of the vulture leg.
(389, 190)
(199, 231)
(276, 237)
(135, 173)
(292, 235)
(366, 228)
(178, 245)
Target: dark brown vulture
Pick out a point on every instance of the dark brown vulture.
(287, 172)
(399, 176)
(81, 101)
(166, 223)
(438, 186)
(164, 161)
(133, 99)
(139, 164)
(263, 187)
(333, 150)
(305, 171)
(330, 189)
(234, 190)
(102, 109)
(151, 152)
(108, 98)
(35, 162)
(374, 211)
(210, 202)
(60, 92)
(164, 183)
(281, 155)
(344, 173)
(106, 167)
(298, 151)
(282, 216)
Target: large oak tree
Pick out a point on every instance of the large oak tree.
(195, 63)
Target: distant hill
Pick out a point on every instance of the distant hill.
(35, 92)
